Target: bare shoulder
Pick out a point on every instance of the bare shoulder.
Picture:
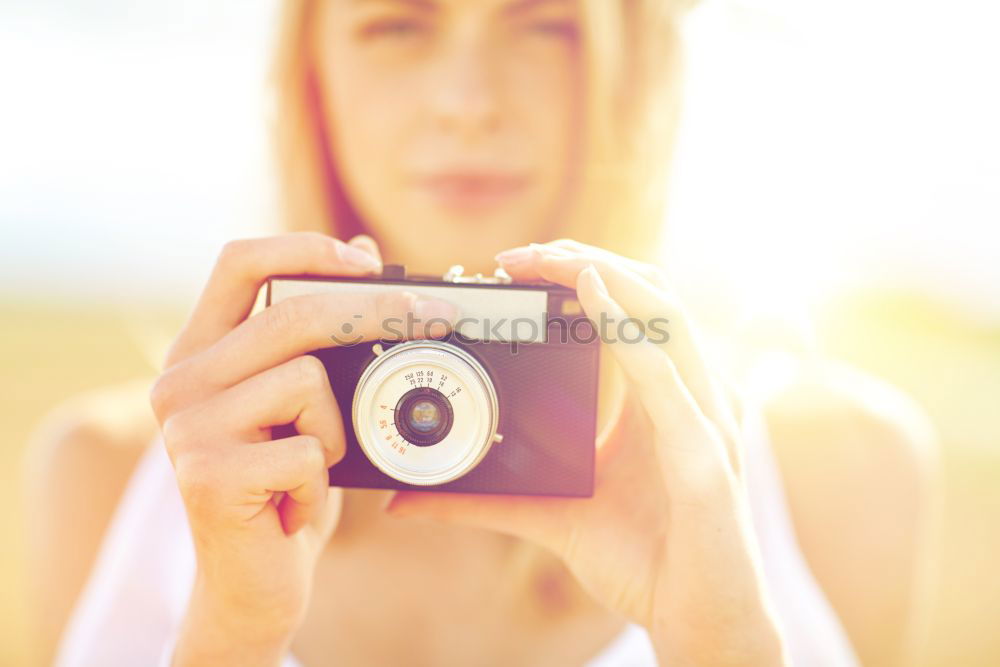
(78, 462)
(94, 437)
(858, 458)
(842, 396)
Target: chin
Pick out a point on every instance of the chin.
(470, 243)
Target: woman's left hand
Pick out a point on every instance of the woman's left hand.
(666, 539)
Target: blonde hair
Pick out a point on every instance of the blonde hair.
(631, 61)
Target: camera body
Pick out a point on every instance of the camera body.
(506, 403)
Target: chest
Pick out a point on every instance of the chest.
(430, 607)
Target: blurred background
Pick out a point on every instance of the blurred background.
(838, 177)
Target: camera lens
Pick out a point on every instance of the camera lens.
(425, 412)
(423, 416)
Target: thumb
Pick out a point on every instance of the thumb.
(366, 243)
(324, 523)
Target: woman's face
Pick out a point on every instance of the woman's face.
(452, 122)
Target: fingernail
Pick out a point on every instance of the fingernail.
(516, 256)
(358, 257)
(548, 252)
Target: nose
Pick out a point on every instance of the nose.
(464, 95)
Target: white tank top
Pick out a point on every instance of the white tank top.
(134, 600)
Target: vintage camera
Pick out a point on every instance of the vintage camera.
(506, 403)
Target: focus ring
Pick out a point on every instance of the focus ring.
(453, 412)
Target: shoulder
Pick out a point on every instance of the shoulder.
(77, 464)
(116, 415)
(858, 459)
(97, 435)
(858, 410)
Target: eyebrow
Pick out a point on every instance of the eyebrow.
(424, 5)
(522, 6)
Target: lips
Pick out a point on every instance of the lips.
(471, 190)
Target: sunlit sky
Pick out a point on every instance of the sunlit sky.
(824, 144)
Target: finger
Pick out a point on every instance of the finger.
(237, 481)
(660, 311)
(326, 520)
(522, 263)
(641, 298)
(674, 413)
(305, 503)
(650, 272)
(296, 392)
(368, 244)
(293, 327)
(276, 465)
(293, 465)
(660, 387)
(244, 265)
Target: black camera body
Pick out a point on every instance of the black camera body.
(506, 403)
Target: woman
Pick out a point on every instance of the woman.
(427, 132)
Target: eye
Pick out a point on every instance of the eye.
(393, 29)
(556, 28)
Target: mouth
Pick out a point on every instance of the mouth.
(472, 191)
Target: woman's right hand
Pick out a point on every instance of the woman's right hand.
(261, 510)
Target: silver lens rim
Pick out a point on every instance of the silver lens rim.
(364, 395)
